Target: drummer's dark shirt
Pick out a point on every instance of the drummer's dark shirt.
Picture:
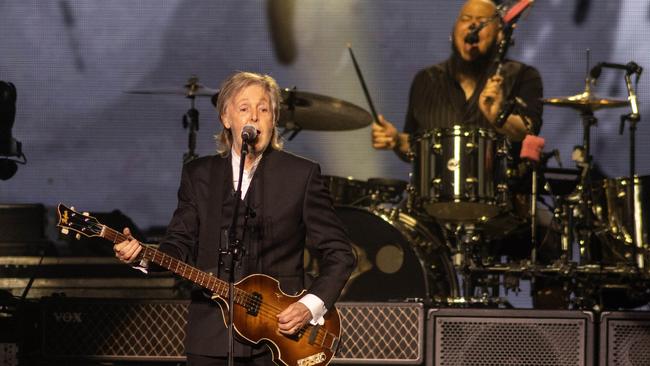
(437, 100)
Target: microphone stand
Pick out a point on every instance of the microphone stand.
(235, 250)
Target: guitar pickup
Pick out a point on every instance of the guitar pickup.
(313, 334)
(253, 304)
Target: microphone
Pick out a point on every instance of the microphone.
(249, 134)
(472, 36)
(631, 68)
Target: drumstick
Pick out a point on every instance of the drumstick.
(363, 84)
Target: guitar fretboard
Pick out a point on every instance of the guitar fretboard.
(201, 278)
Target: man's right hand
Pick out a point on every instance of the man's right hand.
(127, 250)
(384, 134)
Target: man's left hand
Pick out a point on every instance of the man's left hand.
(293, 318)
(491, 98)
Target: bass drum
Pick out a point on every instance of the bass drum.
(398, 258)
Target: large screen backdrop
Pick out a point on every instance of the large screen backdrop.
(92, 145)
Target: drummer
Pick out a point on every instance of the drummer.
(463, 89)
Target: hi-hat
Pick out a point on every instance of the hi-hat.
(585, 101)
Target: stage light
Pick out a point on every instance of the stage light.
(9, 146)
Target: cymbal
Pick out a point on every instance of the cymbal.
(585, 101)
(192, 89)
(310, 111)
(301, 110)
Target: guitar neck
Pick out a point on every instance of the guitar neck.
(201, 278)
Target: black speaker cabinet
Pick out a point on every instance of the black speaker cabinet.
(625, 339)
(489, 337)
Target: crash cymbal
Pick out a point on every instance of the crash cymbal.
(192, 89)
(301, 110)
(585, 101)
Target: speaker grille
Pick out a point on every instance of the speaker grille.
(154, 330)
(381, 333)
(626, 338)
(508, 337)
(105, 329)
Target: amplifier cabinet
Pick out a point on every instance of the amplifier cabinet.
(153, 330)
(381, 333)
(491, 337)
(103, 329)
(625, 339)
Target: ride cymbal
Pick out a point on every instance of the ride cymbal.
(192, 89)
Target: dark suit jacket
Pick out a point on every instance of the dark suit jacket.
(292, 199)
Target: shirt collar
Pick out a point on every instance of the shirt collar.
(236, 160)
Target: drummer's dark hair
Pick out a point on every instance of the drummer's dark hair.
(230, 88)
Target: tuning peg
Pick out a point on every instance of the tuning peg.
(86, 213)
(65, 231)
(78, 236)
(72, 208)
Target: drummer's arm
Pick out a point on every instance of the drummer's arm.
(526, 119)
(515, 127)
(403, 146)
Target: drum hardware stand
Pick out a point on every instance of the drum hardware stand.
(291, 126)
(191, 119)
(633, 118)
(468, 261)
(410, 195)
(585, 201)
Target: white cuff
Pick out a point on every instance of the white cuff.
(317, 308)
(143, 266)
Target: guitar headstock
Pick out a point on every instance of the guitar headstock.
(81, 223)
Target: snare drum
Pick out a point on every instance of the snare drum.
(459, 174)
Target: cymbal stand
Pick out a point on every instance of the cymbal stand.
(585, 202)
(191, 119)
(633, 118)
(191, 122)
(291, 126)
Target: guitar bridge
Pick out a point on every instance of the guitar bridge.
(253, 304)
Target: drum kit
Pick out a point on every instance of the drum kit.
(436, 238)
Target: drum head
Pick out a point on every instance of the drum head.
(389, 266)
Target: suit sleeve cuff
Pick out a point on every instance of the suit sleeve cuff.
(317, 308)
